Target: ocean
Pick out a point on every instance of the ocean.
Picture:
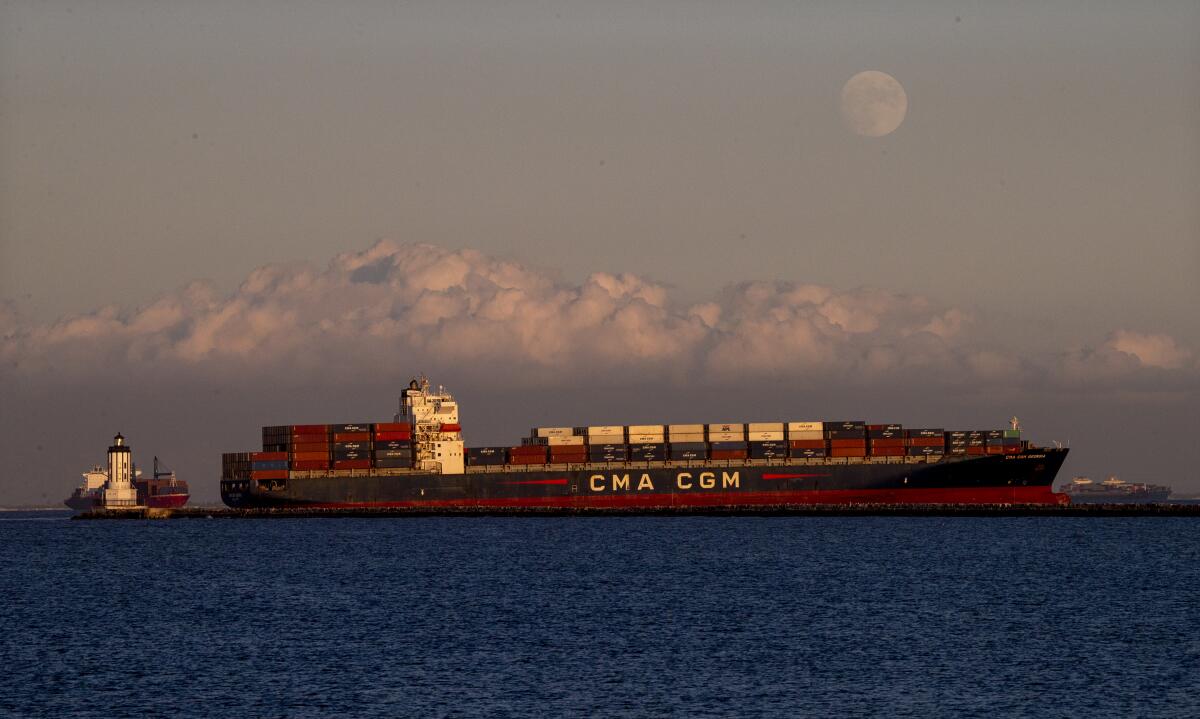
(600, 617)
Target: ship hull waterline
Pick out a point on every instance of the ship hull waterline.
(1024, 478)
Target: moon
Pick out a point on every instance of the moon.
(873, 103)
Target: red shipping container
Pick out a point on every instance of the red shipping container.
(267, 456)
(926, 442)
(310, 464)
(807, 444)
(568, 458)
(452, 427)
(848, 444)
(887, 451)
(309, 438)
(308, 456)
(269, 474)
(311, 447)
(526, 459)
(848, 452)
(310, 429)
(729, 454)
(393, 435)
(995, 450)
(352, 464)
(528, 449)
(352, 437)
(393, 427)
(888, 443)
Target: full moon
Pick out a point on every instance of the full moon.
(873, 103)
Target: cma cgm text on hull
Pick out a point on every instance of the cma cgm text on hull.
(419, 460)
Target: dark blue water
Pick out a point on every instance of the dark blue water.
(633, 617)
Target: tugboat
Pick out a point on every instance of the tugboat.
(122, 484)
(1115, 491)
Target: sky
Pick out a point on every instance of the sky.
(215, 216)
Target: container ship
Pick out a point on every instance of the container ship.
(419, 460)
(122, 484)
(1115, 491)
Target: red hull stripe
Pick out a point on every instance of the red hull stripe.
(538, 481)
(977, 495)
(791, 476)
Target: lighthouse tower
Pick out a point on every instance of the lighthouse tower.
(119, 491)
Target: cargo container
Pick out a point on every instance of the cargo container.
(793, 427)
(807, 443)
(646, 438)
(309, 456)
(311, 447)
(351, 437)
(726, 437)
(565, 441)
(269, 464)
(267, 456)
(606, 439)
(621, 455)
(882, 443)
(924, 451)
(686, 438)
(392, 427)
(727, 445)
(728, 454)
(679, 453)
(646, 429)
(738, 428)
(548, 432)
(352, 428)
(690, 445)
(847, 443)
(765, 436)
(887, 451)
(310, 464)
(364, 463)
(807, 434)
(391, 454)
(765, 427)
(394, 445)
(269, 474)
(606, 429)
(397, 463)
(926, 433)
(768, 450)
(807, 452)
(847, 451)
(674, 429)
(344, 446)
(392, 435)
(846, 434)
(845, 426)
(311, 429)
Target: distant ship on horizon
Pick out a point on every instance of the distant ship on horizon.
(1115, 491)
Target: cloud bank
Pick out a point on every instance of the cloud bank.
(401, 307)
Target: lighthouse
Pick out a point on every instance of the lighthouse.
(119, 491)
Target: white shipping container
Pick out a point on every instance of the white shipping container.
(804, 427)
(606, 429)
(645, 429)
(565, 441)
(553, 431)
(684, 438)
(766, 436)
(726, 437)
(818, 434)
(606, 438)
(674, 429)
(765, 427)
(726, 428)
(645, 437)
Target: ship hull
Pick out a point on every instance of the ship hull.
(1024, 478)
(167, 501)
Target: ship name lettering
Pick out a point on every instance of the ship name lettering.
(730, 480)
(600, 483)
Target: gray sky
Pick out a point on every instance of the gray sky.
(1044, 182)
